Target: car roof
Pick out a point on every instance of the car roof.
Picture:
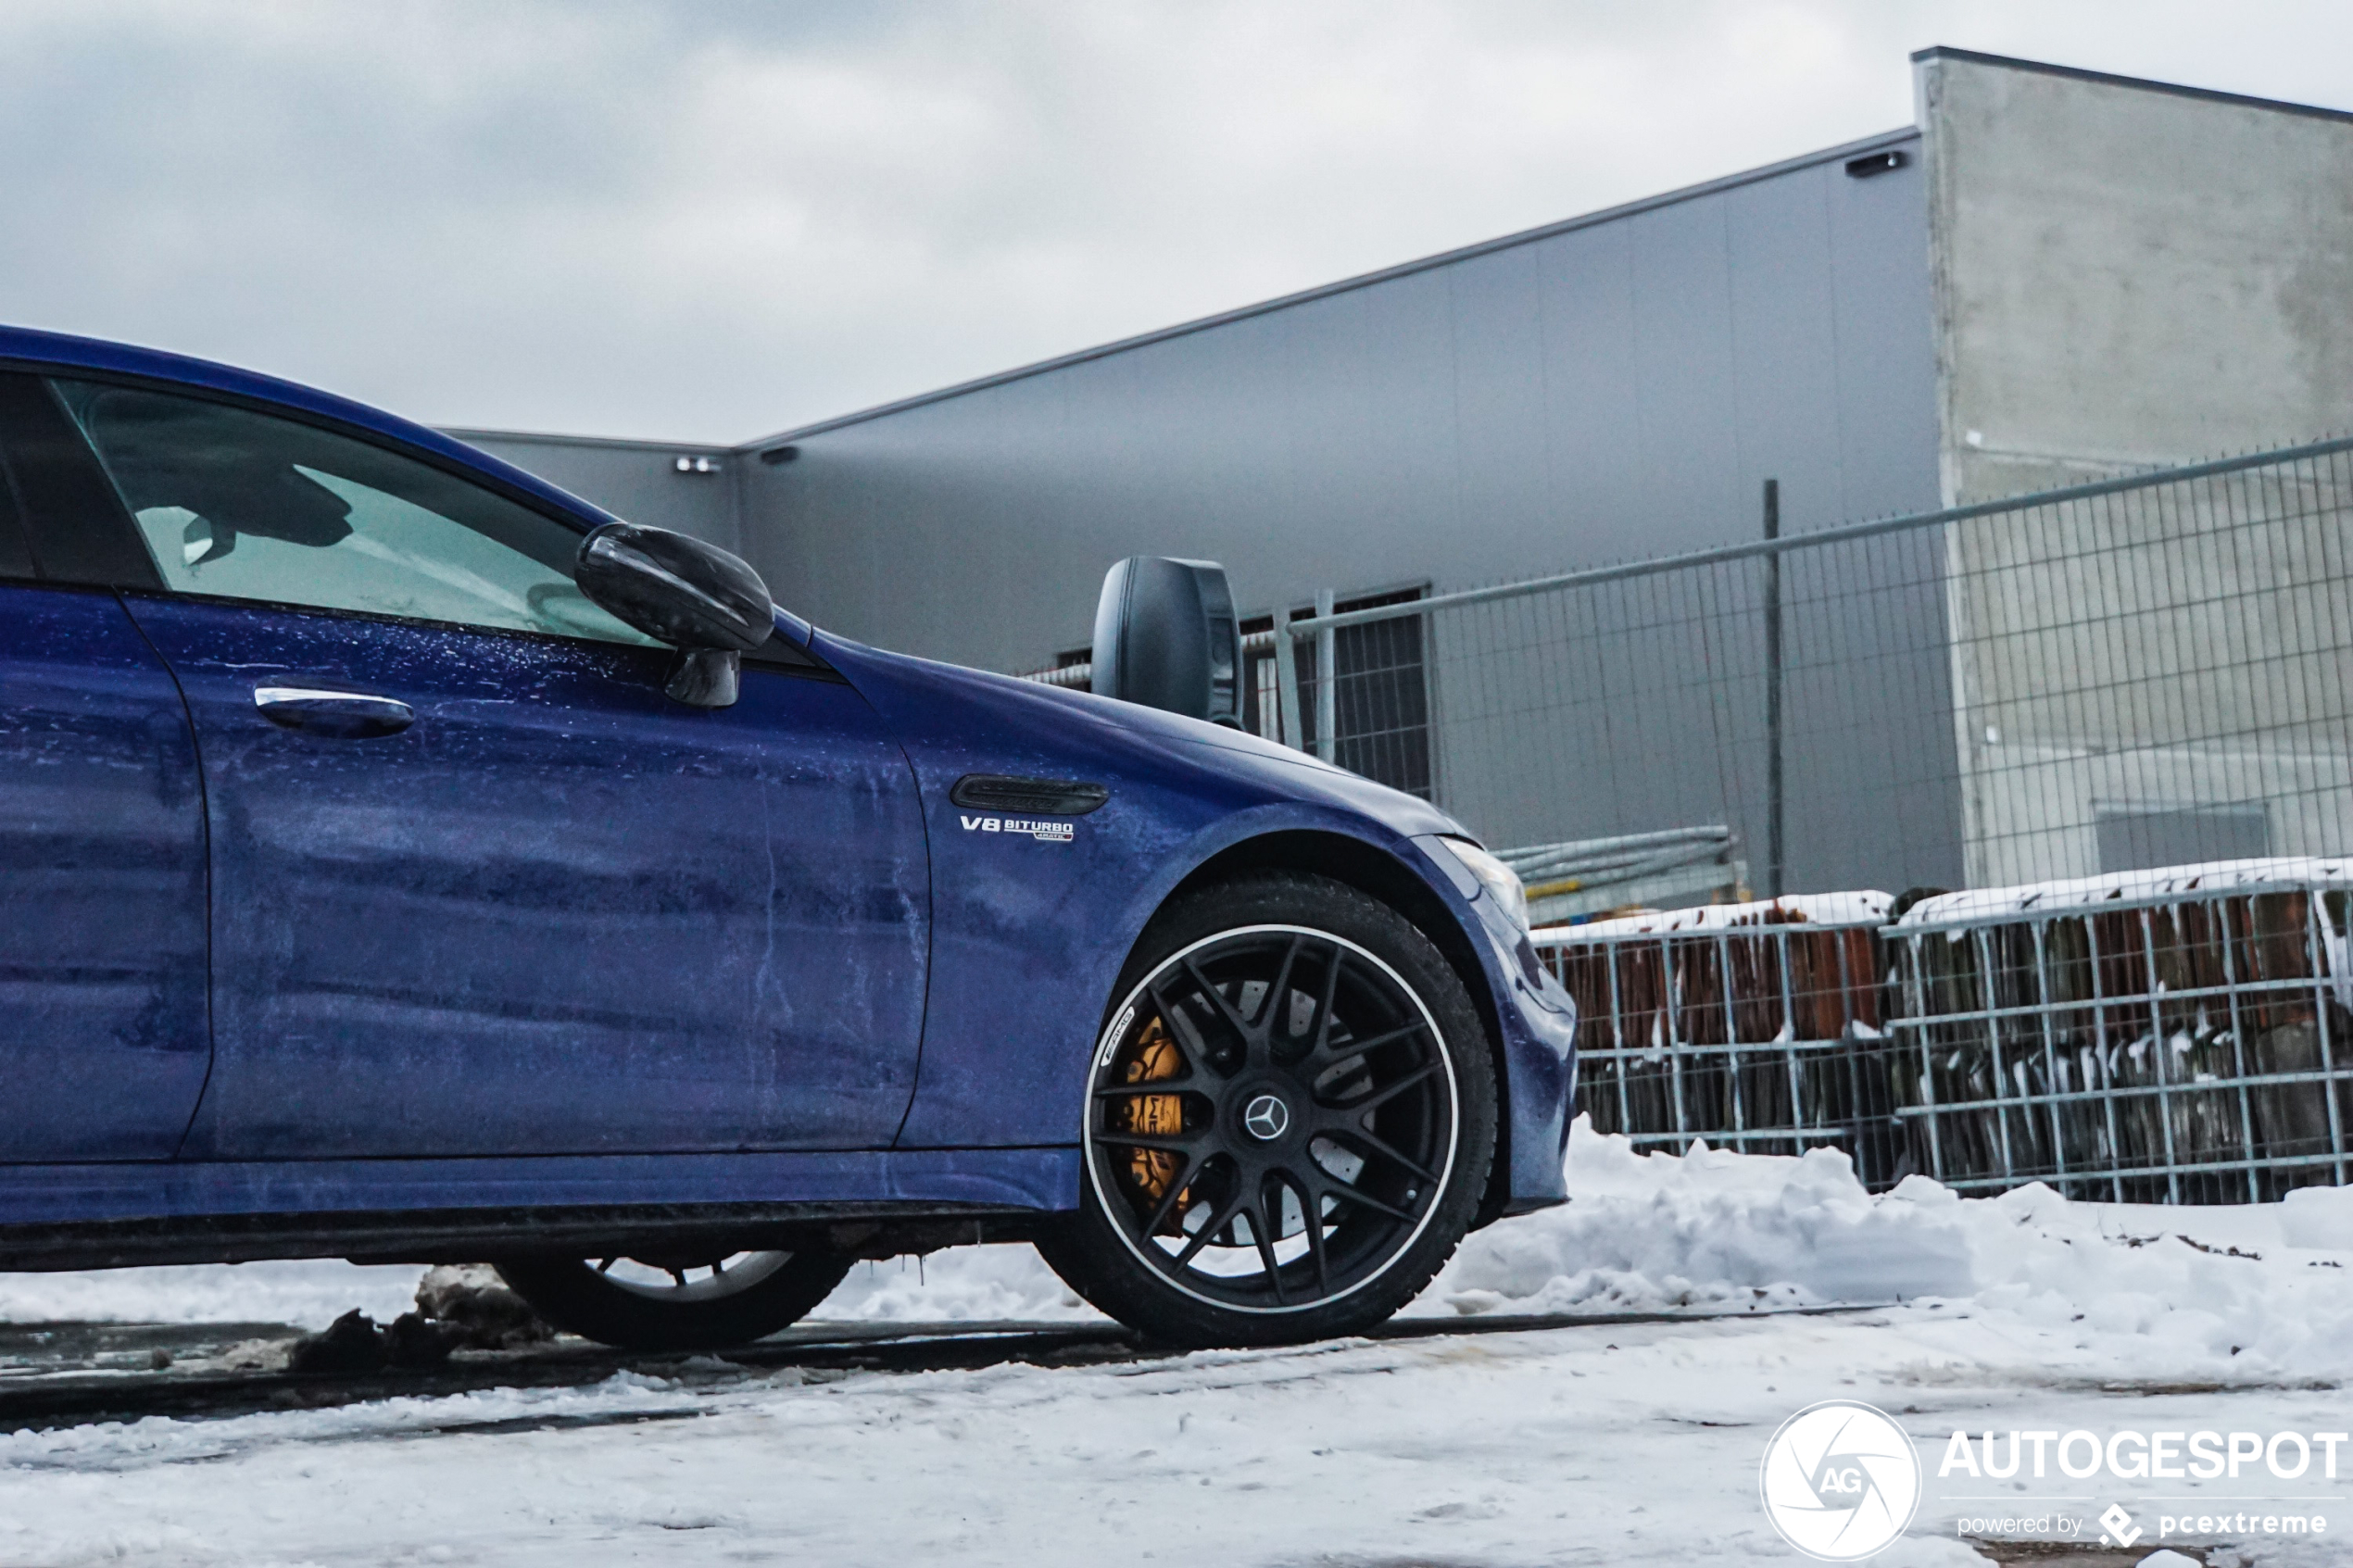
(26, 348)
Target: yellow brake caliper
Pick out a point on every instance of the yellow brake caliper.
(1152, 1059)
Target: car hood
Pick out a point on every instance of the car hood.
(1047, 723)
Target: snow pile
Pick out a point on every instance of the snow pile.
(1713, 1229)
(2255, 1291)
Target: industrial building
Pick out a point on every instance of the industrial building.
(2052, 275)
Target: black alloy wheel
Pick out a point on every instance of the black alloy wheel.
(1289, 1123)
(695, 1299)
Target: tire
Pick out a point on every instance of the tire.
(1278, 1046)
(624, 1301)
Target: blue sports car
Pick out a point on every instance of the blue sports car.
(406, 860)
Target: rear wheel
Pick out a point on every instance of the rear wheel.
(686, 1302)
(1289, 1123)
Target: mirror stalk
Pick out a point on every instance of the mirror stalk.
(705, 677)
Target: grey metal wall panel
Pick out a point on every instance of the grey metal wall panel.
(1587, 278)
(637, 480)
(1615, 389)
(1681, 374)
(1882, 301)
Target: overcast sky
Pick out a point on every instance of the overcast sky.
(708, 219)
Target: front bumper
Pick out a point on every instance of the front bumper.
(1537, 1020)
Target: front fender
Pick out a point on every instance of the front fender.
(1031, 930)
(1028, 942)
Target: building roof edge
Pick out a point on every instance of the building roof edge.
(1324, 291)
(2147, 84)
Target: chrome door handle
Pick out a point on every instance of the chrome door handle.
(342, 715)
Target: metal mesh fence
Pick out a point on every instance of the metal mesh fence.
(2142, 673)
(2191, 1045)
(2183, 1046)
(2148, 670)
(1756, 1027)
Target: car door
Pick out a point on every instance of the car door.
(103, 1041)
(478, 886)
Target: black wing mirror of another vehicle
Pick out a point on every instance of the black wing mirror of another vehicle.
(708, 605)
(1165, 638)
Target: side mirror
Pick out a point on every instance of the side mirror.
(1165, 638)
(708, 605)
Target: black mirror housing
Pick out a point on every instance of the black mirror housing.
(708, 604)
(1165, 638)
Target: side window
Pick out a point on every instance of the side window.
(246, 506)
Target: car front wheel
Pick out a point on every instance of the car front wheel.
(1289, 1120)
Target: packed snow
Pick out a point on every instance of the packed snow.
(1861, 908)
(1616, 1443)
(2080, 893)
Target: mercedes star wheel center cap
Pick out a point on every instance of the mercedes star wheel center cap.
(1267, 1118)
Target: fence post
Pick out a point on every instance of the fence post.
(1287, 684)
(1775, 861)
(1327, 670)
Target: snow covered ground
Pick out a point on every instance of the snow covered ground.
(1592, 1444)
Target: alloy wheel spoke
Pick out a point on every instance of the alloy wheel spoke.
(1365, 1104)
(1164, 1143)
(1172, 1032)
(1218, 1222)
(1311, 1210)
(1348, 1194)
(1226, 1010)
(1270, 1012)
(1349, 1132)
(1142, 1086)
(1323, 1005)
(1341, 1052)
(1167, 1204)
(1261, 1231)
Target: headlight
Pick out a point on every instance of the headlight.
(1502, 883)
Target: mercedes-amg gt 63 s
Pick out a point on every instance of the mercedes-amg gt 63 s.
(407, 861)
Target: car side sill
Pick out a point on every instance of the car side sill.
(100, 1215)
(856, 1229)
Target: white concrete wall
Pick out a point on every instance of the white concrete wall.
(2127, 276)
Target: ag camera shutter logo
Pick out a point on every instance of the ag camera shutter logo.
(1840, 1480)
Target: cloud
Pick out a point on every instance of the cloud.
(714, 220)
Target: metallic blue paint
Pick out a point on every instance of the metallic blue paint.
(558, 913)
(63, 1194)
(560, 942)
(102, 886)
